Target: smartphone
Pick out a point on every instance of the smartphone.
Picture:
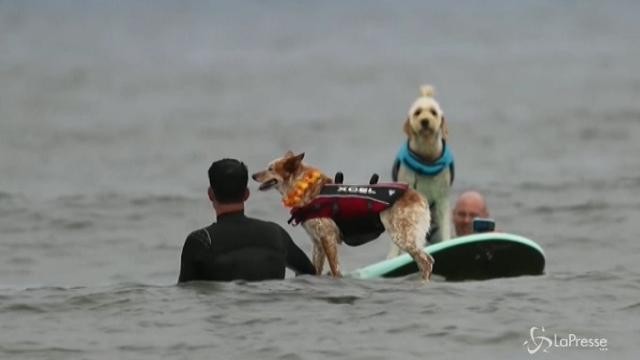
(481, 225)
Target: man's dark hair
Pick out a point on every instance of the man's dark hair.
(228, 179)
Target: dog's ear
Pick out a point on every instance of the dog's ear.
(292, 163)
(288, 154)
(445, 128)
(407, 127)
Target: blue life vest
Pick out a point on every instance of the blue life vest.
(411, 160)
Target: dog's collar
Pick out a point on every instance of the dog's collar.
(411, 160)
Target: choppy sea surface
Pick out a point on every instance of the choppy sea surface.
(111, 112)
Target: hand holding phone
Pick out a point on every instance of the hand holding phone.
(481, 225)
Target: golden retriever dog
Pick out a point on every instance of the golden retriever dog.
(332, 212)
(425, 162)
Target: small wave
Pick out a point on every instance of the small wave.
(588, 276)
(258, 321)
(629, 182)
(71, 224)
(35, 349)
(136, 348)
(635, 306)
(593, 133)
(583, 207)
(21, 260)
(22, 308)
(625, 182)
(159, 199)
(291, 356)
(182, 346)
(84, 200)
(533, 186)
(347, 299)
(11, 204)
(5, 196)
(112, 198)
(405, 329)
(505, 337)
(628, 115)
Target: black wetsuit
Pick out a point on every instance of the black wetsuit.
(239, 247)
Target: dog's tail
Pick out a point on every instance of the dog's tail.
(427, 91)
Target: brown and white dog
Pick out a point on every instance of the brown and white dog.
(406, 219)
(425, 161)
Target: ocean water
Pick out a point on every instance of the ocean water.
(112, 111)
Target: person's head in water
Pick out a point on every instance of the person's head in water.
(228, 182)
(470, 205)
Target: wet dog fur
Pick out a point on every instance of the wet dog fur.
(407, 221)
(426, 129)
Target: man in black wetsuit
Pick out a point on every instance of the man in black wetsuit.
(236, 246)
